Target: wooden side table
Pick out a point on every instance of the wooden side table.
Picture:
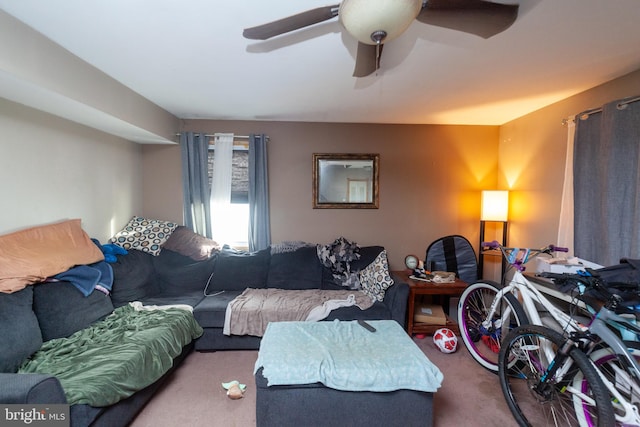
(419, 287)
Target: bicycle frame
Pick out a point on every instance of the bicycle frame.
(529, 295)
(601, 326)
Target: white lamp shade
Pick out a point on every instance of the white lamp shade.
(495, 206)
(361, 18)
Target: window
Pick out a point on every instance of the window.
(238, 212)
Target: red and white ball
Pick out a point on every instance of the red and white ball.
(445, 340)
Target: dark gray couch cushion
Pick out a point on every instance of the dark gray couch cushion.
(300, 269)
(368, 254)
(133, 278)
(179, 274)
(62, 309)
(240, 270)
(191, 298)
(19, 329)
(280, 406)
(31, 389)
(378, 311)
(210, 312)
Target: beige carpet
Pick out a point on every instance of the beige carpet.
(470, 395)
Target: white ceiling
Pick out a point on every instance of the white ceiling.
(189, 57)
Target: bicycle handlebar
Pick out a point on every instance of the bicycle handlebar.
(517, 257)
(495, 245)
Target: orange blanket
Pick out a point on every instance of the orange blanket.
(29, 256)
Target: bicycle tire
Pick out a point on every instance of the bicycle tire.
(483, 343)
(523, 362)
(605, 359)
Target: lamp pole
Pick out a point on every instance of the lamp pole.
(483, 224)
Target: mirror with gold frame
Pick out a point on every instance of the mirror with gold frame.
(345, 181)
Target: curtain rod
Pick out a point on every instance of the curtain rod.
(234, 136)
(621, 105)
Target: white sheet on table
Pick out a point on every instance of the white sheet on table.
(345, 356)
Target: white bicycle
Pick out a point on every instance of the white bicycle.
(488, 311)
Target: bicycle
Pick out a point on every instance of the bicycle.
(616, 360)
(488, 311)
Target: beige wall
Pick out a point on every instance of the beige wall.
(79, 161)
(430, 178)
(52, 169)
(37, 72)
(162, 182)
(532, 156)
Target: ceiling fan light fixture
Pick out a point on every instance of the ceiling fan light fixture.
(364, 18)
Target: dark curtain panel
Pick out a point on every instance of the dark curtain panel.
(259, 223)
(606, 183)
(195, 182)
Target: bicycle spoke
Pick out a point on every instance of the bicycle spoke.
(483, 335)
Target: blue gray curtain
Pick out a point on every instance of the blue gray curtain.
(195, 182)
(607, 182)
(259, 223)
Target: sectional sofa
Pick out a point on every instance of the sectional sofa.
(46, 319)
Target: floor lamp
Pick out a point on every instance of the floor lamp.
(494, 208)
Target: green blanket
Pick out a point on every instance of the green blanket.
(117, 356)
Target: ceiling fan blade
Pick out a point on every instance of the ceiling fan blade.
(294, 22)
(482, 18)
(367, 59)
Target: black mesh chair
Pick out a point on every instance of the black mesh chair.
(453, 254)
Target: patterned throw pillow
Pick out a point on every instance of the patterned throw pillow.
(375, 278)
(146, 235)
(338, 257)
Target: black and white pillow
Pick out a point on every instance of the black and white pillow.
(375, 278)
(146, 235)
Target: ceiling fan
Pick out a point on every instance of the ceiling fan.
(374, 22)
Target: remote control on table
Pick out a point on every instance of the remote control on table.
(367, 326)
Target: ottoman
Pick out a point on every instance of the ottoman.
(340, 374)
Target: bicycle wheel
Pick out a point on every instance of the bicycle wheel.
(483, 336)
(571, 394)
(626, 405)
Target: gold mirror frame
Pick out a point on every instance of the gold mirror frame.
(361, 173)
